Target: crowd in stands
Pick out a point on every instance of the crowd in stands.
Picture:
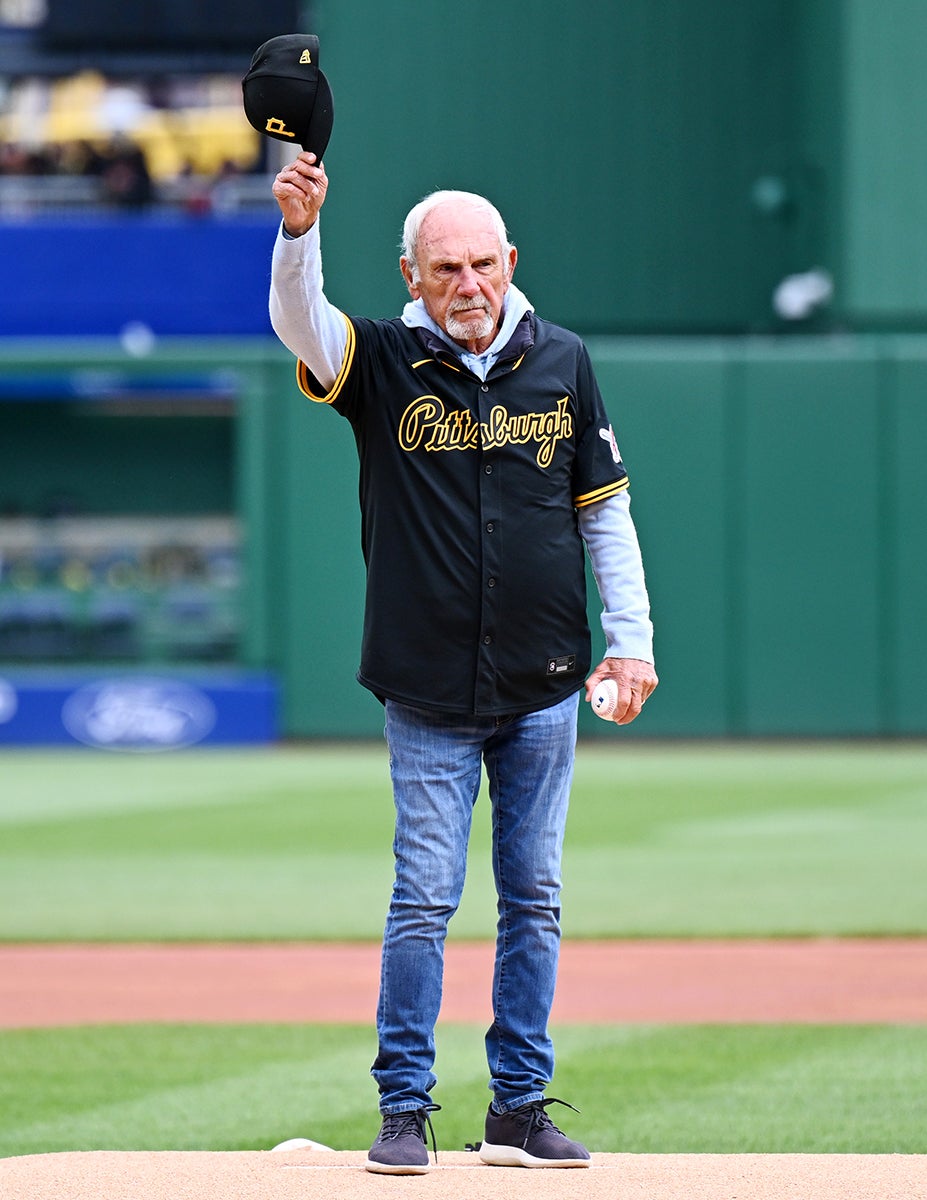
(120, 167)
(129, 138)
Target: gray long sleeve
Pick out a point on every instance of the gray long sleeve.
(611, 539)
(302, 318)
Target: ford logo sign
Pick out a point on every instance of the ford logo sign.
(138, 714)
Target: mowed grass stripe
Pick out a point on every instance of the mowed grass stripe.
(686, 1089)
(663, 840)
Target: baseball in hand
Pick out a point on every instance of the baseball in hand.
(605, 699)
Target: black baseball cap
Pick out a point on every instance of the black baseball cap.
(286, 96)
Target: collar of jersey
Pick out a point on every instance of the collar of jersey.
(518, 344)
(514, 338)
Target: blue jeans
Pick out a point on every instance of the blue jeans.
(435, 764)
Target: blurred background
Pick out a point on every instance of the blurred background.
(727, 201)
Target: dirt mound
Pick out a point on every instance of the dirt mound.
(301, 1175)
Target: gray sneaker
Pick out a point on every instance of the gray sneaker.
(527, 1137)
(401, 1148)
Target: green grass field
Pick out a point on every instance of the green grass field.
(294, 843)
(804, 1089)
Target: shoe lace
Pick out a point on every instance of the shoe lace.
(535, 1116)
(399, 1124)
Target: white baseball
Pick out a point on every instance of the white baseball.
(605, 699)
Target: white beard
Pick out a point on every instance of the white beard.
(471, 330)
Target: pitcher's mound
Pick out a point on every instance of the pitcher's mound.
(340, 1175)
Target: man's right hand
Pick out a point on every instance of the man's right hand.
(300, 190)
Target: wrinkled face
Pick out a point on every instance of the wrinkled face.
(462, 275)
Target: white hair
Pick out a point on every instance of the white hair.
(412, 226)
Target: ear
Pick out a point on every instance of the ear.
(414, 290)
(510, 265)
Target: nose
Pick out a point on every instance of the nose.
(468, 282)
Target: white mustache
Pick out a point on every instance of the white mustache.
(459, 306)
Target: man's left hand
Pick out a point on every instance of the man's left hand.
(636, 680)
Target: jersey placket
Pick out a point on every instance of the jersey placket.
(491, 535)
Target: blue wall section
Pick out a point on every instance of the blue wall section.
(120, 710)
(176, 274)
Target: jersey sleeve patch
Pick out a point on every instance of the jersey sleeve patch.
(608, 436)
(309, 385)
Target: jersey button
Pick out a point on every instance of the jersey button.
(487, 640)
(490, 527)
(490, 582)
(485, 387)
(488, 468)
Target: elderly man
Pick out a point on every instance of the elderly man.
(487, 461)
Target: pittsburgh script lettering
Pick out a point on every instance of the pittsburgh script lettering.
(427, 423)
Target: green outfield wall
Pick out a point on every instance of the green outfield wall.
(621, 141)
(663, 165)
(778, 490)
(777, 485)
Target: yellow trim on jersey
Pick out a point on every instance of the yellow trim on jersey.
(421, 362)
(302, 371)
(602, 493)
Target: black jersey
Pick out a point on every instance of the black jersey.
(476, 585)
